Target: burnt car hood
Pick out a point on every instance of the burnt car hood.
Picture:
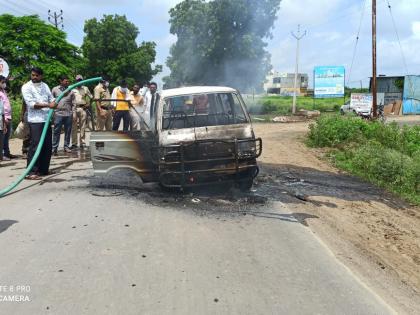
(223, 132)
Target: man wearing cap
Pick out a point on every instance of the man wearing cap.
(103, 108)
(82, 101)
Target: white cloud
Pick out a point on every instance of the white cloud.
(415, 27)
(331, 24)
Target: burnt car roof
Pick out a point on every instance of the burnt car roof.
(196, 90)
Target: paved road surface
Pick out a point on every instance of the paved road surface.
(87, 247)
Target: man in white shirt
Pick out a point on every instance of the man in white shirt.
(145, 89)
(39, 101)
(151, 102)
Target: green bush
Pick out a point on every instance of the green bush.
(332, 131)
(268, 107)
(386, 155)
(16, 109)
(282, 105)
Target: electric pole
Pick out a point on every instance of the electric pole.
(56, 19)
(374, 95)
(298, 37)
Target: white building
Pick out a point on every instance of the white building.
(283, 83)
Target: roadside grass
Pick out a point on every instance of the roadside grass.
(384, 154)
(282, 105)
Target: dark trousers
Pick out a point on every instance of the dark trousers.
(25, 145)
(125, 116)
(1, 143)
(60, 121)
(6, 148)
(43, 163)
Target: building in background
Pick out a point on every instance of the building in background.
(391, 86)
(283, 83)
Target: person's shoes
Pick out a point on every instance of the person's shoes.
(47, 174)
(33, 177)
(55, 153)
(82, 146)
(67, 150)
(5, 158)
(73, 147)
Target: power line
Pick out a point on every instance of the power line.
(410, 83)
(39, 8)
(46, 5)
(357, 39)
(336, 18)
(14, 8)
(398, 37)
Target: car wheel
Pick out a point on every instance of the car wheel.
(245, 184)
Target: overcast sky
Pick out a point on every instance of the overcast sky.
(331, 26)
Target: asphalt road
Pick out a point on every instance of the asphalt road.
(83, 245)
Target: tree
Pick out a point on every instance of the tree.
(221, 42)
(27, 41)
(111, 49)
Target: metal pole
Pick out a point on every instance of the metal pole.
(298, 38)
(374, 95)
(313, 88)
(56, 16)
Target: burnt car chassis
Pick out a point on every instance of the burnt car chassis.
(192, 140)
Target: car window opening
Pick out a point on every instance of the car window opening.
(202, 110)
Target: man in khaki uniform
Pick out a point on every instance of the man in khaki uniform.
(103, 108)
(82, 100)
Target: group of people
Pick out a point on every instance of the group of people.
(136, 108)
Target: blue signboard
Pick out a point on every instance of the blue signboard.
(411, 96)
(329, 81)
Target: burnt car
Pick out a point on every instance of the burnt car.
(201, 135)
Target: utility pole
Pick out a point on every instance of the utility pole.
(298, 37)
(374, 95)
(58, 19)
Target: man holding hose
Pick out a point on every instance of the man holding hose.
(39, 101)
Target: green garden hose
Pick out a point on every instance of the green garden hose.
(44, 133)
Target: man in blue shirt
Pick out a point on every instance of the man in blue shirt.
(63, 115)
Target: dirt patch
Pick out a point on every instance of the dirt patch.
(370, 230)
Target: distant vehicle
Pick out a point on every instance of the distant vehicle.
(357, 110)
(345, 108)
(359, 104)
(201, 135)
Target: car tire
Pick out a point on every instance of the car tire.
(245, 185)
